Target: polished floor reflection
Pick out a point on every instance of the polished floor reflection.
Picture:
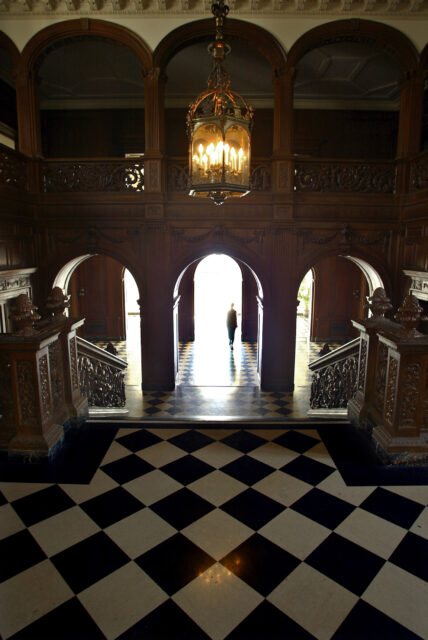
(180, 532)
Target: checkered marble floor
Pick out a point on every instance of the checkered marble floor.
(197, 533)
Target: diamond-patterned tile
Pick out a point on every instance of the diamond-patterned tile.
(252, 508)
(412, 555)
(88, 561)
(308, 470)
(269, 623)
(127, 468)
(364, 621)
(260, 563)
(191, 440)
(174, 563)
(295, 533)
(323, 508)
(182, 508)
(247, 470)
(297, 441)
(392, 507)
(243, 441)
(217, 533)
(138, 440)
(18, 552)
(344, 562)
(187, 469)
(41, 505)
(140, 532)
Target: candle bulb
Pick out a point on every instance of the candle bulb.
(240, 155)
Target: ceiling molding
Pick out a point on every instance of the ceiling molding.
(196, 8)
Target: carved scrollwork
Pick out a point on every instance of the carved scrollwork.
(411, 385)
(57, 376)
(391, 390)
(45, 394)
(89, 176)
(380, 380)
(419, 174)
(13, 171)
(352, 178)
(101, 383)
(261, 178)
(73, 364)
(27, 392)
(334, 385)
(362, 366)
(178, 177)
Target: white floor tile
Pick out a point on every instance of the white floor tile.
(335, 485)
(116, 451)
(314, 601)
(217, 487)
(295, 533)
(401, 596)
(15, 490)
(161, 453)
(139, 532)
(152, 486)
(121, 599)
(217, 601)
(217, 533)
(273, 454)
(29, 596)
(63, 530)
(99, 484)
(371, 532)
(217, 454)
(282, 487)
(416, 493)
(10, 522)
(420, 526)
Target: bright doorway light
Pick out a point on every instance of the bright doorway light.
(304, 308)
(133, 335)
(218, 283)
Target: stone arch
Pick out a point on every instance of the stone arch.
(45, 39)
(391, 40)
(256, 37)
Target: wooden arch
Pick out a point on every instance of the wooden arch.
(254, 36)
(53, 34)
(11, 49)
(392, 41)
(424, 58)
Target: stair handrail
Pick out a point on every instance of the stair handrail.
(101, 375)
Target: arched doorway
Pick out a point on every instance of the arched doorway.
(105, 293)
(203, 296)
(331, 294)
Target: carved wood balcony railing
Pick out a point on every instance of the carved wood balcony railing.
(101, 375)
(178, 174)
(344, 176)
(334, 377)
(14, 169)
(419, 172)
(92, 174)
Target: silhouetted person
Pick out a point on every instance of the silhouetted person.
(231, 323)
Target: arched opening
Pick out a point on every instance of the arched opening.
(105, 293)
(203, 296)
(331, 294)
(79, 92)
(8, 114)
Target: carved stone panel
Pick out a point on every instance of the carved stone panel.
(410, 394)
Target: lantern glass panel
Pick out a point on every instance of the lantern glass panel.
(207, 155)
(237, 155)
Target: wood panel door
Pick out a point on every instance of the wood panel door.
(96, 288)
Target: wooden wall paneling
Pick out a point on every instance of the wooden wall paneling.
(249, 324)
(186, 312)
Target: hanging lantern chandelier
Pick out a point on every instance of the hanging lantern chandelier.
(219, 124)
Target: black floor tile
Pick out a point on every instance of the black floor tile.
(412, 555)
(2, 499)
(18, 552)
(138, 440)
(345, 562)
(392, 507)
(42, 504)
(127, 468)
(88, 561)
(296, 441)
(174, 563)
(267, 622)
(110, 507)
(243, 441)
(182, 508)
(260, 563)
(252, 508)
(247, 470)
(323, 508)
(69, 621)
(187, 469)
(191, 440)
(308, 470)
(167, 622)
(365, 622)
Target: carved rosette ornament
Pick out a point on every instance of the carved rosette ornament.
(378, 304)
(409, 315)
(23, 316)
(57, 302)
